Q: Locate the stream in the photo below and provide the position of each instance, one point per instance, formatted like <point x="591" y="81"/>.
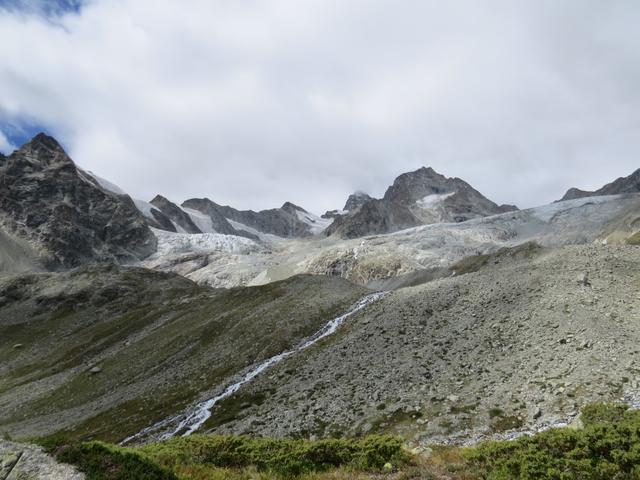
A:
<point x="190" y="421"/>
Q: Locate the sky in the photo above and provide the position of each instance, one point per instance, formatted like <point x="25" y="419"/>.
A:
<point x="256" y="102"/>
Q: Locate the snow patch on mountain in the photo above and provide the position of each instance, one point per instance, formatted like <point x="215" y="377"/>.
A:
<point x="107" y="185"/>
<point x="317" y="224"/>
<point x="431" y="201"/>
<point x="170" y="243"/>
<point x="202" y="221"/>
<point x="144" y="207"/>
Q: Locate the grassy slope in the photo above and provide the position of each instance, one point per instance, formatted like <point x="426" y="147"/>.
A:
<point x="159" y="340"/>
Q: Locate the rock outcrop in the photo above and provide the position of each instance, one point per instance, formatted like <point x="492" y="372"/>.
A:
<point x="20" y="461"/>
<point x="63" y="212"/>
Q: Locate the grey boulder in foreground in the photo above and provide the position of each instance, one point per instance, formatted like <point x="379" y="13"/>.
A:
<point x="19" y="461"/>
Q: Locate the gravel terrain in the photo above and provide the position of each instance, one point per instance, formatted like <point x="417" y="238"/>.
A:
<point x="519" y="344"/>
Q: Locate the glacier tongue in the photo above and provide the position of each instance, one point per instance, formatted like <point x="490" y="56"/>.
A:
<point x="170" y="243"/>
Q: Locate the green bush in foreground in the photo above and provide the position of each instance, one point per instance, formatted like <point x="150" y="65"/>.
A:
<point x="287" y="458"/>
<point x="100" y="461"/>
<point x="608" y="448"/>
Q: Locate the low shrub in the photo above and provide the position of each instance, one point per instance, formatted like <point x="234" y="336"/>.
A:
<point x="100" y="461"/>
<point x="608" y="448"/>
<point x="208" y="455"/>
<point x="288" y="457"/>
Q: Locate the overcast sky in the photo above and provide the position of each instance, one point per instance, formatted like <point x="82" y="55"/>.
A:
<point x="255" y="102"/>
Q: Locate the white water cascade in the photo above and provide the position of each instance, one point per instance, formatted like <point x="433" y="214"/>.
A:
<point x="196" y="416"/>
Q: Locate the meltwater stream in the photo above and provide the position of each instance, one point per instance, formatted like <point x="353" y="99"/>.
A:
<point x="193" y="419"/>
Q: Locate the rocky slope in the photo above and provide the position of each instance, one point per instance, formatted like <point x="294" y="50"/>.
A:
<point x="415" y="198"/>
<point x="105" y="351"/>
<point x="630" y="184"/>
<point x="521" y="341"/>
<point x="61" y="214"/>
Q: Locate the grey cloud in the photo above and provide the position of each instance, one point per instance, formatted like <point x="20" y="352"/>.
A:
<point x="254" y="103"/>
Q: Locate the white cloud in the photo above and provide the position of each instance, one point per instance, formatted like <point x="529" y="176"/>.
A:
<point x="257" y="102"/>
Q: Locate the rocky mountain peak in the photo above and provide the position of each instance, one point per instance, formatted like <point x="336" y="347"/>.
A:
<point x="292" y="208"/>
<point x="45" y="150"/>
<point x="64" y="213"/>
<point x="356" y="200"/>
<point x="412" y="186"/>
<point x="420" y="197"/>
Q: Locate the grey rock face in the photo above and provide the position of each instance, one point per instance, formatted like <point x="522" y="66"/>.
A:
<point x="356" y="200"/>
<point x="331" y="214"/>
<point x="283" y="222"/>
<point x="161" y="221"/>
<point x="374" y="217"/>
<point x="64" y="213"/>
<point x="175" y="213"/>
<point x="292" y="208"/>
<point x="463" y="202"/>
<point x="415" y="198"/>
<point x="630" y="184"/>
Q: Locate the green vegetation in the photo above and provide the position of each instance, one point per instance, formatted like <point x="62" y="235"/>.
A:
<point x="150" y="334"/>
<point x="100" y="461"/>
<point x="634" y="239"/>
<point x="496" y="412"/>
<point x="607" y="448"/>
<point x="200" y="457"/>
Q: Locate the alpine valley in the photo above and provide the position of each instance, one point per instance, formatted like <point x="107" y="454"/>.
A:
<point x="432" y="314"/>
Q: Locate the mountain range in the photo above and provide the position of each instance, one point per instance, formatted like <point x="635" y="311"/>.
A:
<point x="432" y="312"/>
